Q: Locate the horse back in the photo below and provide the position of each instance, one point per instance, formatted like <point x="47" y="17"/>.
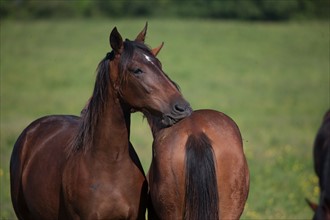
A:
<point x="37" y="161"/>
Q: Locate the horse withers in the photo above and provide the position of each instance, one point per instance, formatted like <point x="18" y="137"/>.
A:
<point x="321" y="155"/>
<point x="198" y="169"/>
<point x="68" y="167"/>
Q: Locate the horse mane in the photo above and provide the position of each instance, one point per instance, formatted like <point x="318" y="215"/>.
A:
<point x="83" y="140"/>
<point x="84" y="137"/>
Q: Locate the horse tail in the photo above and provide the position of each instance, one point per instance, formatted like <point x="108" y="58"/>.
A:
<point x="201" y="191"/>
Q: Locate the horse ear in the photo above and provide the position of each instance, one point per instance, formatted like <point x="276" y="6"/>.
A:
<point x="116" y="41"/>
<point x="142" y="35"/>
<point x="156" y="50"/>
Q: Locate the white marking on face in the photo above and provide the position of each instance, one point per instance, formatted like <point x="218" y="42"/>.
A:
<point x="149" y="59"/>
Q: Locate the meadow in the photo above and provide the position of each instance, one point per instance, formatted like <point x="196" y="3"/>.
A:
<point x="271" y="78"/>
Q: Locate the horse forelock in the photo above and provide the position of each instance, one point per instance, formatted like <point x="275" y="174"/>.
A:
<point x="129" y="48"/>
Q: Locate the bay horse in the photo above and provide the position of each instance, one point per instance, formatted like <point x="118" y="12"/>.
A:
<point x="198" y="169"/>
<point x="69" y="167"/>
<point x="321" y="155"/>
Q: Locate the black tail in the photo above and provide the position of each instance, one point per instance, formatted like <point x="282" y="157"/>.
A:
<point x="201" y="192"/>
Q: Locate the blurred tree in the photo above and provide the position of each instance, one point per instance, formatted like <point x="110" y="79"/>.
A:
<point x="228" y="9"/>
<point x="278" y="10"/>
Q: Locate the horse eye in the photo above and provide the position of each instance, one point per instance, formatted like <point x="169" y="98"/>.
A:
<point x="137" y="71"/>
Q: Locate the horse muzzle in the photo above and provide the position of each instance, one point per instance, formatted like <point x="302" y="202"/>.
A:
<point x="179" y="111"/>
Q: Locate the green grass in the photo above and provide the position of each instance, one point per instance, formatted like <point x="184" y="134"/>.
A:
<point x="271" y="78"/>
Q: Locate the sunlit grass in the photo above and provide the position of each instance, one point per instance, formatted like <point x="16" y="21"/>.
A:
<point x="271" y="78"/>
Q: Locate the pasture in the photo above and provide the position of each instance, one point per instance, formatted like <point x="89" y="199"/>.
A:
<point x="271" y="78"/>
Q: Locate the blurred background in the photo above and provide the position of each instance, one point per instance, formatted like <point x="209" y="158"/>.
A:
<point x="265" y="63"/>
<point x="271" y="10"/>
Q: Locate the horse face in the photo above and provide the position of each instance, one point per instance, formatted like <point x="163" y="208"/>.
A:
<point x="148" y="89"/>
<point x="143" y="85"/>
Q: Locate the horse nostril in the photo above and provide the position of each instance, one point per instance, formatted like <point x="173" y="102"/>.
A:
<point x="180" y="108"/>
<point x="179" y="111"/>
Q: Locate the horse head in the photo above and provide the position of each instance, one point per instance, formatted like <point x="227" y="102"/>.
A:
<point x="140" y="82"/>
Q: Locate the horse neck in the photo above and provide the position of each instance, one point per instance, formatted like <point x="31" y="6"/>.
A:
<point x="112" y="131"/>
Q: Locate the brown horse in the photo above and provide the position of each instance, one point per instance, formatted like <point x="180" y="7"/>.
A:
<point x="198" y="168"/>
<point x="322" y="169"/>
<point x="67" y="167"/>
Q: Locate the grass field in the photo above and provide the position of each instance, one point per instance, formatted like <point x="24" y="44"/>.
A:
<point x="271" y="78"/>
